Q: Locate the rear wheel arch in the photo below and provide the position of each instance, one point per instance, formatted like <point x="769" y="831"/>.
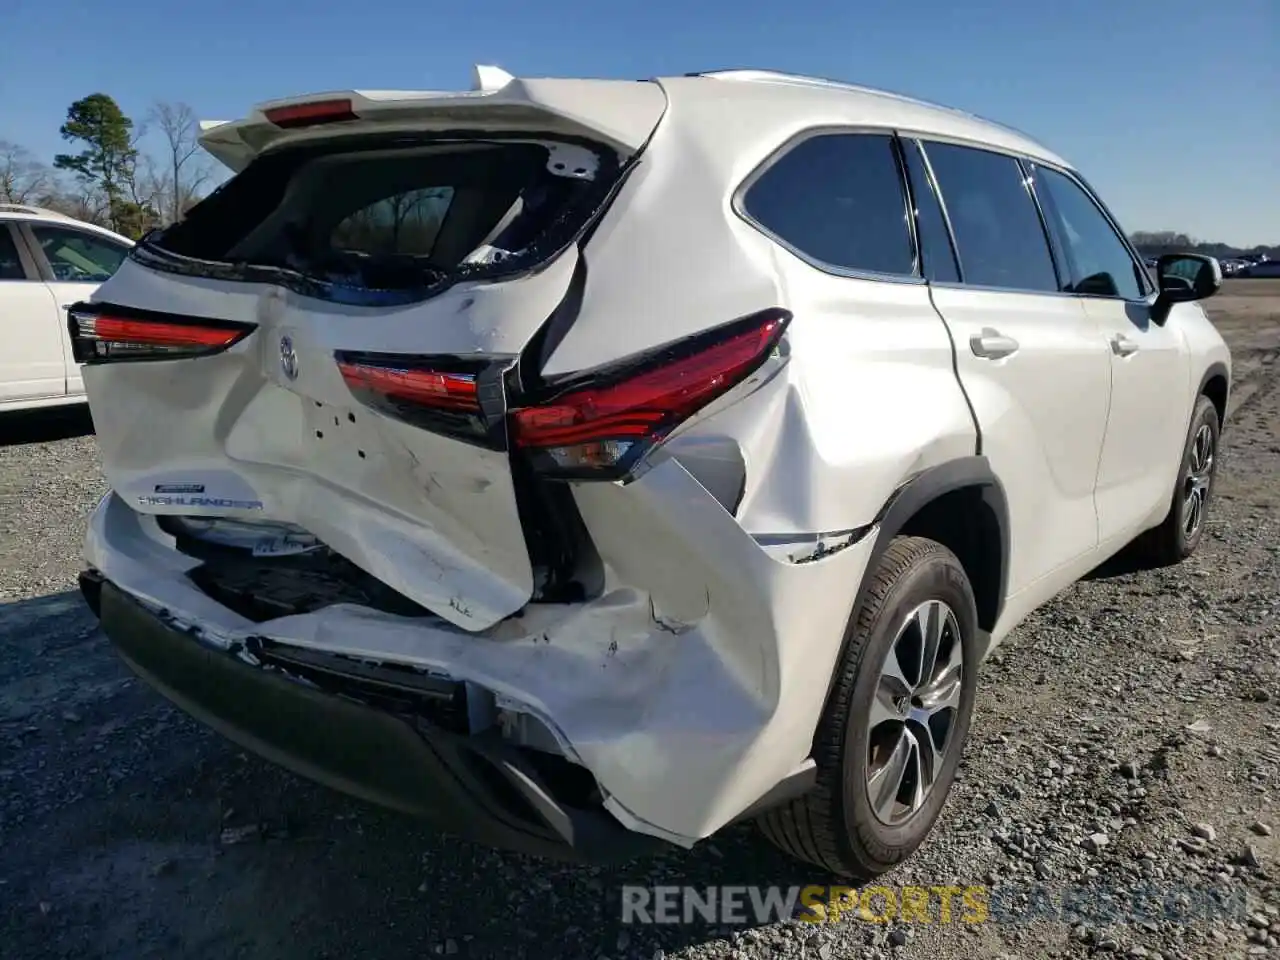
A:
<point x="960" y="504"/>
<point x="954" y="512"/>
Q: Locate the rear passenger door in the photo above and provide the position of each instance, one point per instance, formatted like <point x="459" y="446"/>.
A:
<point x="32" y="366"/>
<point x="1151" y="369"/>
<point x="1031" y="359"/>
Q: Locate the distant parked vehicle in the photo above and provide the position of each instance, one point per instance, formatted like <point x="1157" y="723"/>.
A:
<point x="47" y="262"/>
<point x="1264" y="268"/>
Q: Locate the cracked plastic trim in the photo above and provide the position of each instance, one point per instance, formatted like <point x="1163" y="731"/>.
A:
<point x="806" y="548"/>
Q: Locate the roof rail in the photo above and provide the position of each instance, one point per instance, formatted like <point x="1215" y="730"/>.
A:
<point x="797" y="79"/>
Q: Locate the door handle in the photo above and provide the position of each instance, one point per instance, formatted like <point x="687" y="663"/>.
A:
<point x="1122" y="346"/>
<point x="992" y="344"/>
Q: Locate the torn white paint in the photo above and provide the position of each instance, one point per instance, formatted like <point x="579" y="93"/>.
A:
<point x="715" y="711"/>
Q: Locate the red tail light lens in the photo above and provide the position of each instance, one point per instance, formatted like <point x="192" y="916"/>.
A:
<point x="442" y="394"/>
<point x="310" y="114"/>
<point x="600" y="428"/>
<point x="442" y="391"/>
<point x="101" y="333"/>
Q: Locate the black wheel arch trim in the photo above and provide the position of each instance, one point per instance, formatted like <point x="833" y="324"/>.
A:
<point x="1217" y="369"/>
<point x="927" y="486"/>
<point x="917" y="492"/>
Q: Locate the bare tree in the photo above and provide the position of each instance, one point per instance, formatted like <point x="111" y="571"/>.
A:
<point x="183" y="170"/>
<point x="23" y="179"/>
<point x="83" y="202"/>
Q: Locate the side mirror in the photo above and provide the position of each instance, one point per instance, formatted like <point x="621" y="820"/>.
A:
<point x="1183" y="277"/>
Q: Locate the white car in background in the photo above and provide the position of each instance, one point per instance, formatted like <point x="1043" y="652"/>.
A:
<point x="48" y="261"/>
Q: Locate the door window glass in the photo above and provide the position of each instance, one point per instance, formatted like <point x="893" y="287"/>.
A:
<point x="76" y="256"/>
<point x="1100" y="262"/>
<point x="1001" y="239"/>
<point x="10" y="262"/>
<point x="935" y="243"/>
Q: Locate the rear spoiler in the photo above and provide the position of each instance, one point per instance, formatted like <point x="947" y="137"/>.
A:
<point x="618" y="113"/>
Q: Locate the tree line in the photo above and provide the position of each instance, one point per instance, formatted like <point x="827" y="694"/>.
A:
<point x="1158" y="243"/>
<point x="107" y="176"/>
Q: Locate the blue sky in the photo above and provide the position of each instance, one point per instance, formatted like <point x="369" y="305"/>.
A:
<point x="1168" y="106"/>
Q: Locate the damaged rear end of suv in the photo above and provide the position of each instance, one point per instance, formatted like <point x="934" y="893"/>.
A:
<point x="461" y="459"/>
<point x="358" y="524"/>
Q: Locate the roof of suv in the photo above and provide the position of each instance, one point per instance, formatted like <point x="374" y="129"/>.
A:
<point x="786" y="98"/>
<point x="909" y="114"/>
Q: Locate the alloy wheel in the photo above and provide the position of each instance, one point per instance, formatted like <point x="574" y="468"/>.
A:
<point x="913" y="712"/>
<point x="1195" y="491"/>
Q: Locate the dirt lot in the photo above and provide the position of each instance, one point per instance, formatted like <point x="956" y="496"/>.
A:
<point x="1134" y="712"/>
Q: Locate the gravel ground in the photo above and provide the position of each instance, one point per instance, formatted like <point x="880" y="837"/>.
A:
<point x="1128" y="734"/>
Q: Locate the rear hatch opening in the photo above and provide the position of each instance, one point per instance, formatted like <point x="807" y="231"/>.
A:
<point x="382" y="219"/>
<point x="343" y="252"/>
<point x="390" y="219"/>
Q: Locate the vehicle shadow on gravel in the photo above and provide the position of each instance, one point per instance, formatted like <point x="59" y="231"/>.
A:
<point x="130" y="830"/>
<point x="44" y="426"/>
<point x="1128" y="561"/>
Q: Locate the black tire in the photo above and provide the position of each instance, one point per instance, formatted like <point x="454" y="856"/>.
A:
<point x="1172" y="541"/>
<point x="833" y="826"/>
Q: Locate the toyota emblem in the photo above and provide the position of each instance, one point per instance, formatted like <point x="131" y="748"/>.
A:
<point x="288" y="358"/>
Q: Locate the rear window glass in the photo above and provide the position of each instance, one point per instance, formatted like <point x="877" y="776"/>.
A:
<point x="388" y="216"/>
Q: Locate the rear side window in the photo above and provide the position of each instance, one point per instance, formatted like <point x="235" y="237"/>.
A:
<point x="1100" y="263"/>
<point x="10" y="262"/>
<point x="837" y="199"/>
<point x="1001" y="240"/>
<point x="76" y="256"/>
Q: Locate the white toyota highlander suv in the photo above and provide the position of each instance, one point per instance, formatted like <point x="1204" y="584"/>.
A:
<point x="588" y="465"/>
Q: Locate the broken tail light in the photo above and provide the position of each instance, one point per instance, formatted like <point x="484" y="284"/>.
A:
<point x="599" y="426"/>
<point x="102" y="333"/>
<point x="443" y="394"/>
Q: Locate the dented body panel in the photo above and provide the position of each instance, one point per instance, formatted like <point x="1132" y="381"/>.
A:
<point x="401" y="503"/>
<point x="695" y="666"/>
